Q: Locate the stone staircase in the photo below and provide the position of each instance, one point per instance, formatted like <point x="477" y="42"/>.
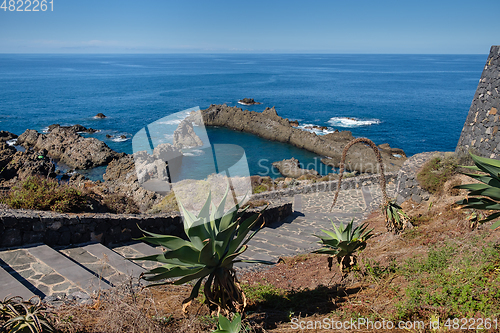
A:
<point x="87" y="268"/>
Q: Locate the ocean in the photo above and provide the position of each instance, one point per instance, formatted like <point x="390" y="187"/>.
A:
<point x="414" y="102"/>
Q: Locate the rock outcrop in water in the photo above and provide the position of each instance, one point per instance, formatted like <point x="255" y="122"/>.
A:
<point x="270" y="126"/>
<point x="291" y="168"/>
<point x="248" y="101"/>
<point x="66" y="145"/>
<point x="185" y="137"/>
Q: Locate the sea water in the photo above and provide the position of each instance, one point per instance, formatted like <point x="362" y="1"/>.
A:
<point x="414" y="102"/>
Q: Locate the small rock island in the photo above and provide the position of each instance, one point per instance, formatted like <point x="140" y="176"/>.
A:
<point x="248" y="101"/>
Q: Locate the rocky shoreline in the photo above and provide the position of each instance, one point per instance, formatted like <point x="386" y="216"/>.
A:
<point x="64" y="144"/>
<point x="269" y="125"/>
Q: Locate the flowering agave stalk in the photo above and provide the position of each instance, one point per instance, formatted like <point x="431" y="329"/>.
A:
<point x="343" y="244"/>
<point x="396" y="219"/>
<point x="487" y="193"/>
<point x="210" y="251"/>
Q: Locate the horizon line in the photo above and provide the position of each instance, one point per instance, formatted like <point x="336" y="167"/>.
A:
<point x="230" y="53"/>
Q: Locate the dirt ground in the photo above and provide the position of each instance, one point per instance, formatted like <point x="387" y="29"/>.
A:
<point x="299" y="290"/>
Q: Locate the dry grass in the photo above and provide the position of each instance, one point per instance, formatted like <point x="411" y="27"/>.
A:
<point x="392" y="272"/>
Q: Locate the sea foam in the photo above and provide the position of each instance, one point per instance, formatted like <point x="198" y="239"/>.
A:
<point x="350" y="122"/>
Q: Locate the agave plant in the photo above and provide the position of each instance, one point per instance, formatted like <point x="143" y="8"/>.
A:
<point x="343" y="244"/>
<point x="226" y="326"/>
<point x="210" y="251"/>
<point x="23" y="316"/>
<point x="487" y="193"/>
<point x="396" y="219"/>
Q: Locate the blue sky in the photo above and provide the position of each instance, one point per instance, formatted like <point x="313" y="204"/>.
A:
<point x="164" y="26"/>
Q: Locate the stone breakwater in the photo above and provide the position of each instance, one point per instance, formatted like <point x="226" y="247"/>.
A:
<point x="22" y="227"/>
<point x="270" y="126"/>
<point x="480" y="132"/>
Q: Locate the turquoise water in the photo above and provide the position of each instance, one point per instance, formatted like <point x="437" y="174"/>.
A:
<point x="414" y="102"/>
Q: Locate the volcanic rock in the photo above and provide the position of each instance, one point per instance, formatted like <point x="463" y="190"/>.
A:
<point x="248" y="101"/>
<point x="25" y="164"/>
<point x="100" y="116"/>
<point x="291" y="168"/>
<point x="185" y="137"/>
<point x="392" y="158"/>
<point x="6" y="136"/>
<point x="66" y="145"/>
<point x="270" y="126"/>
<point x="122" y="177"/>
<point x="75" y="128"/>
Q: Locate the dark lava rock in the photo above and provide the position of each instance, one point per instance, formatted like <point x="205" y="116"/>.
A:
<point x="100" y="116"/>
<point x="6" y="136"/>
<point x="75" y="128"/>
<point x="270" y="126"/>
<point x="6" y="154"/>
<point x="108" y="136"/>
<point x="248" y="101"/>
<point x="26" y="164"/>
<point x="66" y="145"/>
<point x="121" y="177"/>
<point x="123" y="136"/>
<point x="292" y="168"/>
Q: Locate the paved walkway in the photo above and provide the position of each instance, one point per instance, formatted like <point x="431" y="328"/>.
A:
<point x="81" y="270"/>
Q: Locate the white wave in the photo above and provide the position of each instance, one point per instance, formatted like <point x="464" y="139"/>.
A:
<point x="314" y="129"/>
<point x="119" y="139"/>
<point x="12" y="142"/>
<point x="45" y="129"/>
<point x="193" y="152"/>
<point x="352" y="122"/>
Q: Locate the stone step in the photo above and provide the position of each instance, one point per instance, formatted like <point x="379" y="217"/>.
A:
<point x="12" y="287"/>
<point x="34" y="274"/>
<point x="104" y="263"/>
<point x="115" y="260"/>
<point x="68" y="268"/>
<point x="138" y="249"/>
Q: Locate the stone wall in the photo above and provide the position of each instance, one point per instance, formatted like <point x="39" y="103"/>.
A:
<point x="480" y="132"/>
<point x="21" y="227"/>
<point x="407" y="185"/>
<point x="347" y="183"/>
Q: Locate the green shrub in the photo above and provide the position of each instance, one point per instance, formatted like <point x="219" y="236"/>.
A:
<point x="260" y="188"/>
<point x="167" y="204"/>
<point x="436" y="172"/>
<point x="120" y="204"/>
<point x="44" y="194"/>
<point x="452" y="285"/>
